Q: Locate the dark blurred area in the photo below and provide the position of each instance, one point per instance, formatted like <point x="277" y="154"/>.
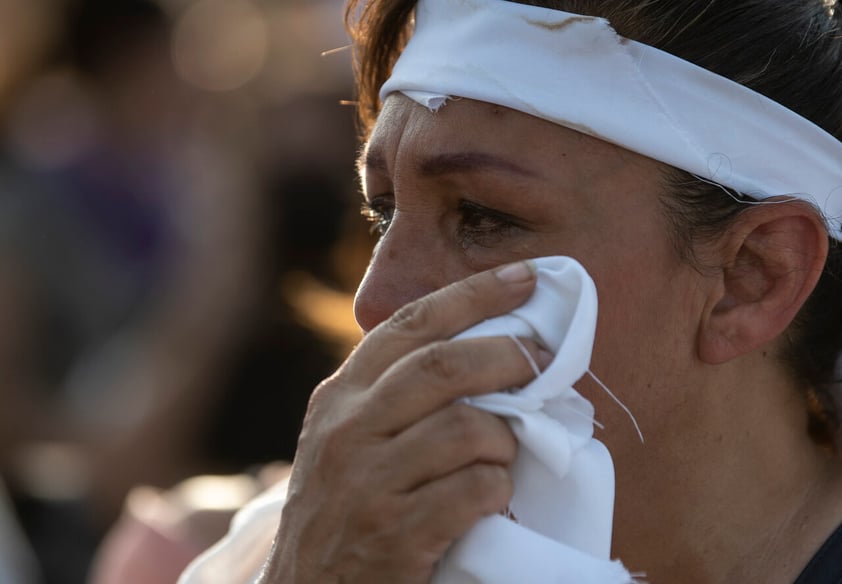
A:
<point x="179" y="243"/>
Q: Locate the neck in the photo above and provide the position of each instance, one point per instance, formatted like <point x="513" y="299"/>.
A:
<point x="750" y="501"/>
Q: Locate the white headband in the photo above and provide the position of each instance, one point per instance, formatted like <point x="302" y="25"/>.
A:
<point x="577" y="72"/>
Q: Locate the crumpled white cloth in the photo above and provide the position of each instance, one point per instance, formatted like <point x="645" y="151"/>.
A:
<point x="575" y="71"/>
<point x="564" y="478"/>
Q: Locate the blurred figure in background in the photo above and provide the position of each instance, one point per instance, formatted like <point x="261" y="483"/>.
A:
<point x="174" y="196"/>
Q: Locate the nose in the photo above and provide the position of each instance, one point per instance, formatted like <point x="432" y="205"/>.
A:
<point x="406" y="265"/>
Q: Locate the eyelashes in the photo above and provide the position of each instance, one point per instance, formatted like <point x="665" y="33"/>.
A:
<point x="477" y="224"/>
<point x="378" y="212"/>
<point x="483" y="226"/>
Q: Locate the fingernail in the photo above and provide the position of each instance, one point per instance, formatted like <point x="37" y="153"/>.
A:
<point x="517" y="272"/>
<point x="544" y="358"/>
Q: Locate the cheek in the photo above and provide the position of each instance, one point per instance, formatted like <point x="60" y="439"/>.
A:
<point x="645" y="316"/>
<point x="645" y="345"/>
<point x="643" y="289"/>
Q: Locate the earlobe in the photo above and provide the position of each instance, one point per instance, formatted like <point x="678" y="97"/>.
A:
<point x="773" y="257"/>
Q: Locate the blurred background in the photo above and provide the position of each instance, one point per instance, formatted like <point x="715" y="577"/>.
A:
<point x="179" y="242"/>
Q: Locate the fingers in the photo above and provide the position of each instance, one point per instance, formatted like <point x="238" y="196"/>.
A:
<point x="448" y="508"/>
<point x="441" y="315"/>
<point x="432" y="377"/>
<point x="447" y="441"/>
<point x="388" y="465"/>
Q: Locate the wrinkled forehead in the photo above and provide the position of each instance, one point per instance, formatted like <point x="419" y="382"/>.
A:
<point x="469" y="142"/>
<point x="409" y="131"/>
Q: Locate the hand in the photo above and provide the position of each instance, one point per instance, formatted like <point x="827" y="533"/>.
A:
<point x="390" y="468"/>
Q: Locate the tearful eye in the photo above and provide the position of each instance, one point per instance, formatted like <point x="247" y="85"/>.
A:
<point x="482" y="226"/>
<point x="379" y="212"/>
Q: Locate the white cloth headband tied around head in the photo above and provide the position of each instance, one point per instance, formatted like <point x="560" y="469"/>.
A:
<point x="577" y="72"/>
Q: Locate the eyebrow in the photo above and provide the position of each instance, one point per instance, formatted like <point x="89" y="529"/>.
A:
<point x="450" y="163"/>
<point x="372" y="159"/>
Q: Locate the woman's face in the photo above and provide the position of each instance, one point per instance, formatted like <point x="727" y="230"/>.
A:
<point x="475" y="185"/>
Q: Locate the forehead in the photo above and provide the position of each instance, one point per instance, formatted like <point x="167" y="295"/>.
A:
<point x="407" y="132"/>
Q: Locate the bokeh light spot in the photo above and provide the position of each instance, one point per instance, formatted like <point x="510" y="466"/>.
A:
<point x="220" y="45"/>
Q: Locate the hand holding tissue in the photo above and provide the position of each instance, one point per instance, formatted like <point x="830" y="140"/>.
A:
<point x="562" y="509"/>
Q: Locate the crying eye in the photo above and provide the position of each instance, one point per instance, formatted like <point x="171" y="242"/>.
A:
<point x="479" y="225"/>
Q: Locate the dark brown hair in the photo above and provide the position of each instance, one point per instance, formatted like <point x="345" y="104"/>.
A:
<point x="788" y="50"/>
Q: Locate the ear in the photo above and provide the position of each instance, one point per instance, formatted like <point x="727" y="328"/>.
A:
<point x="773" y="256"/>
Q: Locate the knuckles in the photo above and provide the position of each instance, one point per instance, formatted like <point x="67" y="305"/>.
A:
<point x="491" y="486"/>
<point x="473" y="290"/>
<point x="412" y="318"/>
<point x="471" y="431"/>
<point x="440" y="361"/>
<point x="324" y="397"/>
<point x="342" y="457"/>
<point x="331" y="432"/>
<point x="419" y="317"/>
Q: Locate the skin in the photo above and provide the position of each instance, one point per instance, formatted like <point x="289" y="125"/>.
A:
<point x="727" y="488"/>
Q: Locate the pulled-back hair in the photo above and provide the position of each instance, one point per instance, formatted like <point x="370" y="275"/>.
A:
<point x="788" y="50"/>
